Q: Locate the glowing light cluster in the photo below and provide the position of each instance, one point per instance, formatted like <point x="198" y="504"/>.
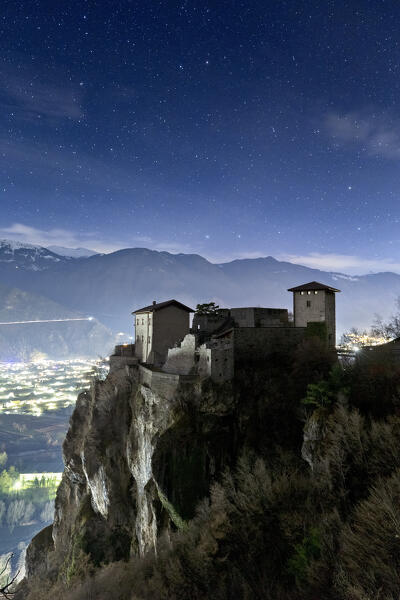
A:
<point x="354" y="341"/>
<point x="45" y="385"/>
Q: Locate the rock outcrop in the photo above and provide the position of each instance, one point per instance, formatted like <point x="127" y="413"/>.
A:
<point x="136" y="465"/>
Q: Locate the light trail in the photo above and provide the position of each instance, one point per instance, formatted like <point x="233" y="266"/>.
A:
<point x="46" y="321"/>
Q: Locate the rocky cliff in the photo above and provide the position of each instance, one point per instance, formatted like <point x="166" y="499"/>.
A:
<point x="307" y="506"/>
<point x="136" y="464"/>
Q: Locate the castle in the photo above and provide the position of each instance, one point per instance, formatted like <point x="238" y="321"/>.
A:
<point x="167" y="349"/>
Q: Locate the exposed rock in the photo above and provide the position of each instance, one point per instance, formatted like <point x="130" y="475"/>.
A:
<point x="136" y="463"/>
<point x="312" y="436"/>
<point x="37" y="554"/>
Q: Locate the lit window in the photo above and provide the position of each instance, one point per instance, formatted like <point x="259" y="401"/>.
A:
<point x="309" y="293"/>
<point x="302" y="293"/>
<point x="315" y="292"/>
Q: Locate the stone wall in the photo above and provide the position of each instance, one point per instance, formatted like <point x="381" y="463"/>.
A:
<point x="256" y="343"/>
<point x="170" y="326"/>
<point x="216" y="359"/>
<point x="181" y="360"/>
<point x="205" y="325"/>
<point x="164" y="385"/>
<point x="259" y="317"/>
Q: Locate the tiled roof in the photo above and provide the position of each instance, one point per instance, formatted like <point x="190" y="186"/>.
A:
<point x="313" y="285"/>
<point x="160" y="305"/>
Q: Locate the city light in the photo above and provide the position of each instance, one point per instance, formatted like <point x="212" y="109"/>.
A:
<point x="353" y="341"/>
<point x="46" y="385"/>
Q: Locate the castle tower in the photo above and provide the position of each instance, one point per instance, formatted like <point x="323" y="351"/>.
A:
<point x="315" y="302"/>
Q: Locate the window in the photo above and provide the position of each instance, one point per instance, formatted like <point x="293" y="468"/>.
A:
<point x="308" y="303"/>
<point x="302" y="293"/>
<point x="315" y="292"/>
<point x="309" y="293"/>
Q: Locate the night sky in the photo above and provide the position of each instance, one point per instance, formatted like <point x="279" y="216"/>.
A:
<point x="229" y="129"/>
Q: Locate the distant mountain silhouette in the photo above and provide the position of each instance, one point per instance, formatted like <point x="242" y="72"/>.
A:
<point x="57" y="339"/>
<point x="72" y="252"/>
<point x="110" y="286"/>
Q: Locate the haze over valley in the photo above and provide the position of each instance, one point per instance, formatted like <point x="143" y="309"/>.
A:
<point x="38" y="284"/>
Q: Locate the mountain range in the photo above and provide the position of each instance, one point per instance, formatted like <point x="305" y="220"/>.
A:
<point x="110" y="286"/>
<point x="72" y="252"/>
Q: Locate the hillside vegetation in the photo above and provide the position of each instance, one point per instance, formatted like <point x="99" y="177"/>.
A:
<point x="309" y="510"/>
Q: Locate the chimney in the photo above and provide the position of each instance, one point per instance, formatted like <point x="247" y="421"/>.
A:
<point x="154" y="302"/>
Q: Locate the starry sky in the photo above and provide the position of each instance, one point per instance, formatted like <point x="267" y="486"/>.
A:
<point x="231" y="129"/>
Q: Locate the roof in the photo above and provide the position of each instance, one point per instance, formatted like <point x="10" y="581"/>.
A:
<point x="313" y="285"/>
<point x="160" y="305"/>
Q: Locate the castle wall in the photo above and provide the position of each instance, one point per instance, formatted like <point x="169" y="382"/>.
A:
<point x="216" y="359"/>
<point x="256" y="343"/>
<point x="316" y="306"/>
<point x="259" y="317"/>
<point x="143" y="335"/>
<point x="308" y="306"/>
<point x="171" y="324"/>
<point x="207" y="324"/>
<point x="163" y="384"/>
<point x="330" y="318"/>
<point x="181" y="359"/>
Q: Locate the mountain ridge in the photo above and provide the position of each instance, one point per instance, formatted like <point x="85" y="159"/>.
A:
<point x="110" y="286"/>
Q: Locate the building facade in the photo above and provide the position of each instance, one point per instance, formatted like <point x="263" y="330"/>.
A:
<point x="166" y="346"/>
<point x="159" y="327"/>
<point x="315" y="303"/>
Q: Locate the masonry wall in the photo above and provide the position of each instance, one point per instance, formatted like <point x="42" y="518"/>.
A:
<point x="215" y="358"/>
<point x="309" y="306"/>
<point x="257" y="343"/>
<point x="163" y="384"/>
<point x="330" y="311"/>
<point x="316" y="306"/>
<point x="222" y="361"/>
<point x="171" y="324"/>
<point x="143" y="335"/>
<point x="181" y="359"/>
<point x="259" y="317"/>
<point x="207" y="324"/>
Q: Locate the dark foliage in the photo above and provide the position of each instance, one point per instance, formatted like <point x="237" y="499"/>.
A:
<point x="273" y="528"/>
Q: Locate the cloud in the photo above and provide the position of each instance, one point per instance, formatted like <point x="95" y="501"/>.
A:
<point x="31" y="95"/>
<point x="339" y="263"/>
<point x="64" y="237"/>
<point x="378" y="135"/>
<point x="59" y="237"/>
<point x="345" y="263"/>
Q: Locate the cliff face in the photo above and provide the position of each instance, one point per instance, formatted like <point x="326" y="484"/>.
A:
<point x="136" y="464"/>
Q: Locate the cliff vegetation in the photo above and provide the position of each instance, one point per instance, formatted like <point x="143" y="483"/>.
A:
<point x="283" y="485"/>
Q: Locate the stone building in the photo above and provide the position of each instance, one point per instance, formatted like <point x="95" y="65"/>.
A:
<point x="158" y="327"/>
<point x="315" y="303"/>
<point x="166" y="350"/>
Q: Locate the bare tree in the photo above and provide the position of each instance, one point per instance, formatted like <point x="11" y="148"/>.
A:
<point x="388" y="329"/>
<point x="6" y="589"/>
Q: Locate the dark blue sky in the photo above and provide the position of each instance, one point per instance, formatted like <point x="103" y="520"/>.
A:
<point x="224" y="128"/>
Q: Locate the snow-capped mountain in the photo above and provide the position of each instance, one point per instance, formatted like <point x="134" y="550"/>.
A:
<point x="72" y="252"/>
<point x="110" y="286"/>
<point x="27" y="257"/>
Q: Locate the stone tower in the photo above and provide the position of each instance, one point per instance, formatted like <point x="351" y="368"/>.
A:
<point x="315" y="302"/>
